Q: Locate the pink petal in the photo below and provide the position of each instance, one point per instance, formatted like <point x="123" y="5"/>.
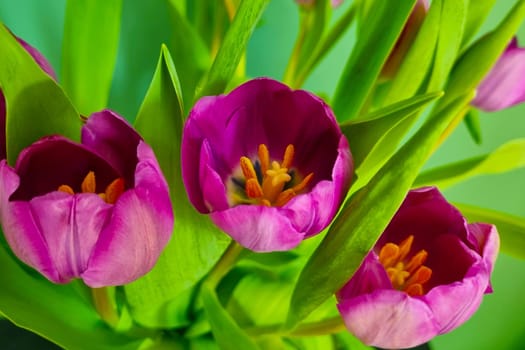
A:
<point x="389" y="319"/>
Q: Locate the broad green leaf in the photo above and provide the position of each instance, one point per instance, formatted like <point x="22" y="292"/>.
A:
<point x="364" y="217"/>
<point x="473" y="125"/>
<point x="449" y="41"/>
<point x="159" y="299"/>
<point x="478" y="59"/>
<point x="507" y="157"/>
<point x="418" y="61"/>
<point x="189" y="52"/>
<point x="89" y="51"/>
<point x="374" y="138"/>
<point x="476" y="14"/>
<point x="511" y="228"/>
<point x="227" y="333"/>
<point x="36" y="105"/>
<point x="56" y="312"/>
<point x="384" y="24"/>
<point x="233" y="46"/>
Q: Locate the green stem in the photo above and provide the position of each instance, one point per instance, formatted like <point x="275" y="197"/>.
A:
<point x="291" y="68"/>
<point x="326" y="44"/>
<point x="328" y="326"/>
<point x="102" y="300"/>
<point x="224" y="265"/>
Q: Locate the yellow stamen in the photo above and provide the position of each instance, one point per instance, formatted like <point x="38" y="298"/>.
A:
<point x="66" y="188"/>
<point x="247" y="168"/>
<point x="269" y="186"/>
<point x="89" y="184"/>
<point x="288" y="156"/>
<point x="114" y="190"/>
<point x="264" y="157"/>
<point x="253" y="189"/>
<point x="408" y="276"/>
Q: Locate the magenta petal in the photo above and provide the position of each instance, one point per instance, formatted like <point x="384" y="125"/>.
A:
<point x="211" y="182"/>
<point x="112" y="138"/>
<point x="70" y="225"/>
<point x="139" y="228"/>
<point x="504" y="85"/>
<point x="2" y="126"/>
<point x="259" y="228"/>
<point x="389" y="319"/>
<point x="24" y="235"/>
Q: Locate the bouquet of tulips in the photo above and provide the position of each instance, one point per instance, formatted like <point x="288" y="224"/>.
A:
<point x="238" y="209"/>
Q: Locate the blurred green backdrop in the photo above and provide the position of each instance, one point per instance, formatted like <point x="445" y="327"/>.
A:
<point x="145" y="25"/>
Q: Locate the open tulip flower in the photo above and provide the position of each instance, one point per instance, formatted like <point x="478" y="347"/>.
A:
<point x="269" y="164"/>
<point x="99" y="210"/>
<point x="426" y="275"/>
<point x="504" y="85"/>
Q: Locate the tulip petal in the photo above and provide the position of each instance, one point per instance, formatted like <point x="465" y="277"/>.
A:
<point x="389" y="319"/>
<point x="138" y="230"/>
<point x="24" y="235"/>
<point x="259" y="228"/>
<point x="504" y="85"/>
<point x="70" y="224"/>
<point x="112" y="138"/>
<point x="3" y="140"/>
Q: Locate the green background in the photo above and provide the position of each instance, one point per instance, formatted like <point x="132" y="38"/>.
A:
<point x="145" y="25"/>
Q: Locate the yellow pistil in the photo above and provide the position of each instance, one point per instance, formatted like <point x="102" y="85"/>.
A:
<point x="272" y="186"/>
<point x="408" y="275"/>
<point x="89" y="185"/>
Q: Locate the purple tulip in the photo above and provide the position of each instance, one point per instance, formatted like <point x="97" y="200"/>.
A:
<point x="504" y="85"/>
<point x="46" y="67"/>
<point x="99" y="210"/>
<point x="425" y="276"/>
<point x="268" y="163"/>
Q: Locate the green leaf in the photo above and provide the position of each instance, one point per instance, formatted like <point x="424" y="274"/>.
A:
<point x="415" y="67"/>
<point x="36" y="105"/>
<point x="348" y="341"/>
<point x="507" y="157"/>
<point x="189" y="52"/>
<point x="374" y="138"/>
<point x="56" y="312"/>
<point x="479" y="58"/>
<point x="384" y="24"/>
<point x="453" y="15"/>
<point x="160" y="298"/>
<point x="364" y="217"/>
<point x="227" y="333"/>
<point x="473" y="125"/>
<point x="233" y="46"/>
<point x="511" y="228"/>
<point x="476" y="14"/>
<point x="89" y="51"/>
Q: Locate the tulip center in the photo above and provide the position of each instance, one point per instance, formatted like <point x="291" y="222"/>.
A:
<point x="89" y="185"/>
<point x="408" y="275"/>
<point x="267" y="182"/>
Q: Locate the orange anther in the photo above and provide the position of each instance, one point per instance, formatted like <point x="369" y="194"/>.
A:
<point x="288" y="157"/>
<point x="405" y="246"/>
<point x="253" y="189"/>
<point x="284" y="197"/>
<point x="414" y="290"/>
<point x="89" y="184"/>
<point x="388" y="254"/>
<point x="247" y="168"/>
<point x="66" y="188"/>
<point x="302" y="185"/>
<point x="264" y="157"/>
<point x="416" y="261"/>
<point x="114" y="190"/>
